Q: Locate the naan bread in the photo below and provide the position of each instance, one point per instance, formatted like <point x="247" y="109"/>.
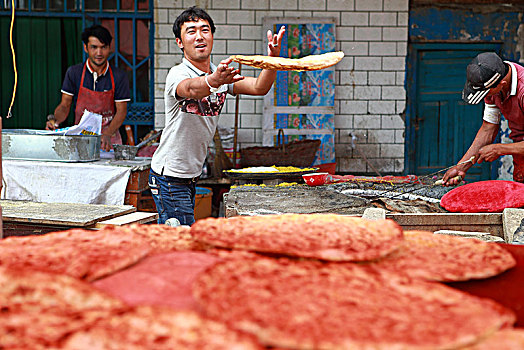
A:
<point x="38" y="309"/>
<point x="312" y="62"/>
<point x="444" y="258"/>
<point x="79" y="253"/>
<point x="163" y="238"/>
<point x="314" y="305"/>
<point x="159" y="328"/>
<point x="321" y="236"/>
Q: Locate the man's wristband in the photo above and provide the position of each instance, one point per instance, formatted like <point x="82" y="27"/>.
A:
<point x="211" y="89"/>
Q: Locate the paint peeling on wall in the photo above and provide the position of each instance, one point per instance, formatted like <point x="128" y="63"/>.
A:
<point x="519" y="49"/>
<point x="440" y="24"/>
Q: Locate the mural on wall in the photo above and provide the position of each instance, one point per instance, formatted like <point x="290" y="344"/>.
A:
<point x="305" y="89"/>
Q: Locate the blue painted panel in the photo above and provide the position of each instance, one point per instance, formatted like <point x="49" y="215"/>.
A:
<point x="468" y="26"/>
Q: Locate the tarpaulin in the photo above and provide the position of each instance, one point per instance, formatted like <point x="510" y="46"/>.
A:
<point x="58" y="182"/>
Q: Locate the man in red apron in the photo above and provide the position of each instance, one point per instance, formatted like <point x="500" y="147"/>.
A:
<point x="95" y="86"/>
<point x="501" y="85"/>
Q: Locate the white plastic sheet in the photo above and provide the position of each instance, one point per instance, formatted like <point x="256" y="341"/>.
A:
<point x="57" y="182"/>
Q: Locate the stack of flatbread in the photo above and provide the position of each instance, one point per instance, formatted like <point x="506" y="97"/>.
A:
<point x="294" y="281"/>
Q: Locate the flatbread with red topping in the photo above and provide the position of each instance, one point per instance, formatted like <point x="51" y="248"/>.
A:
<point x="505" y="339"/>
<point x="155" y="328"/>
<point x="307" y="63"/>
<point x="163" y="238"/>
<point x="38" y="309"/>
<point x="79" y="253"/>
<point x="446" y="258"/>
<point x="311" y="305"/>
<point x="322" y="236"/>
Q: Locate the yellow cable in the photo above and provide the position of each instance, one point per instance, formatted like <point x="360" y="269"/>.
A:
<point x="9" y="115"/>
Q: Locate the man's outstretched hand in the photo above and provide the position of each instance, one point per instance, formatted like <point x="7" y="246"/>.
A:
<point x="273" y="42"/>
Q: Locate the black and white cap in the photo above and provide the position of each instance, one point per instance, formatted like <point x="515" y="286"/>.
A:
<point x="483" y="73"/>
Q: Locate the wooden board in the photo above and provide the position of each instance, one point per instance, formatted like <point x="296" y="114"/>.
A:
<point x="138" y="217"/>
<point x="479" y="222"/>
<point x="63" y="214"/>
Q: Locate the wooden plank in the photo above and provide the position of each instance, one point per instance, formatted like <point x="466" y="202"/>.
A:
<point x="65" y="214"/>
<point x="138" y="217"/>
<point x="479" y="222"/>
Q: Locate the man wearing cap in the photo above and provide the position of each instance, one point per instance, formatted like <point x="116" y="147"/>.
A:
<point x="501" y="85"/>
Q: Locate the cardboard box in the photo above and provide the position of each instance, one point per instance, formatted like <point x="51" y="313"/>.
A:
<point x="203" y="201"/>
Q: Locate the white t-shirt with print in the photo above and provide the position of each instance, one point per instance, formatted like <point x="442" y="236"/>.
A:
<point x="189" y="127"/>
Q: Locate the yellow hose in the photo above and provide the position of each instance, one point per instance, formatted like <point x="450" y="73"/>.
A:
<point x="9" y="115"/>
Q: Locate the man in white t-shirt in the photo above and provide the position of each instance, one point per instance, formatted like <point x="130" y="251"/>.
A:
<point x="195" y="93"/>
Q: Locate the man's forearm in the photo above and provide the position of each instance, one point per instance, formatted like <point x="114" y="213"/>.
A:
<point x="61" y="113"/>
<point x="515" y="148"/>
<point x="115" y="124"/>
<point x="265" y="80"/>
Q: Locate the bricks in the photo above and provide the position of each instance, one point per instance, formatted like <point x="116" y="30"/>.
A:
<point x="370" y="97"/>
<point x="340" y="5"/>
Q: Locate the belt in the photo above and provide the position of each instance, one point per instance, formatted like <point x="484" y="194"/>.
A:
<point x="182" y="180"/>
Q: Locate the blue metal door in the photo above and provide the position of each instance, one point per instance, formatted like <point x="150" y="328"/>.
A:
<point x="440" y="125"/>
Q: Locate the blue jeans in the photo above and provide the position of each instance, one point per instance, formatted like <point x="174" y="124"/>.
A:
<point x="174" y="198"/>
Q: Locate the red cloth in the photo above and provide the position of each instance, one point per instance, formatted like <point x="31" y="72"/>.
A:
<point x="518" y="168"/>
<point x="161" y="280"/>
<point x="484" y="196"/>
<point x="99" y="102"/>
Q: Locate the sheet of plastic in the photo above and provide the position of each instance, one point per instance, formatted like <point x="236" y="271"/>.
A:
<point x="56" y="182"/>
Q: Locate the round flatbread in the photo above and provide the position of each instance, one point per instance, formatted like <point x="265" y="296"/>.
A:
<point x="79" y="253"/>
<point x="322" y="236"/>
<point x="505" y="339"/>
<point x="444" y="258"/>
<point x="311" y="62"/>
<point x="39" y="309"/>
<point x="155" y="328"/>
<point x="163" y="238"/>
<point x="310" y="305"/>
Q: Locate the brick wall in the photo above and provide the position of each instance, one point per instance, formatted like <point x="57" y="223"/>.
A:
<point x="369" y="94"/>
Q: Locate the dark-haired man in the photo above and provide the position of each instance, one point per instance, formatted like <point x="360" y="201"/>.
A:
<point x="501" y="85"/>
<point x="194" y="95"/>
<point x="96" y="86"/>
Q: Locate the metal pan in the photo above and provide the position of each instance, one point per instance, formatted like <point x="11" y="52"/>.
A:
<point x="28" y="144"/>
<point x="128" y="152"/>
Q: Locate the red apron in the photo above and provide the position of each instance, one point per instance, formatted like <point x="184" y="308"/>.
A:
<point x="518" y="168"/>
<point x="100" y="102"/>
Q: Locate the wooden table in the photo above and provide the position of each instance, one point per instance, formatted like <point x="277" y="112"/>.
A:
<point x="22" y="218"/>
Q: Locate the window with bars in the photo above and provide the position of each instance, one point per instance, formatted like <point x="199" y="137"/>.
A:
<point x="131" y="25"/>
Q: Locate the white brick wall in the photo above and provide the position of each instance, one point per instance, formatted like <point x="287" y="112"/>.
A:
<point x="369" y="91"/>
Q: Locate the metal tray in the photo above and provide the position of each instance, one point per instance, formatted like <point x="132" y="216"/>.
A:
<point x="268" y="176"/>
<point x="28" y="144"/>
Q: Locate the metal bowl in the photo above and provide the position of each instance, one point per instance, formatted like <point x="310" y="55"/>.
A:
<point x="125" y="152"/>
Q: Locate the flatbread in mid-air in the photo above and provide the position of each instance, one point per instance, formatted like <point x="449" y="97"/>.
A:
<point x="311" y="62"/>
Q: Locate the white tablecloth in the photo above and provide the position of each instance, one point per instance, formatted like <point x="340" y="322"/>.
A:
<point x="57" y="182"/>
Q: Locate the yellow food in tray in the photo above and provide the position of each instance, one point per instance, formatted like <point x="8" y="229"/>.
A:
<point x="271" y="169"/>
